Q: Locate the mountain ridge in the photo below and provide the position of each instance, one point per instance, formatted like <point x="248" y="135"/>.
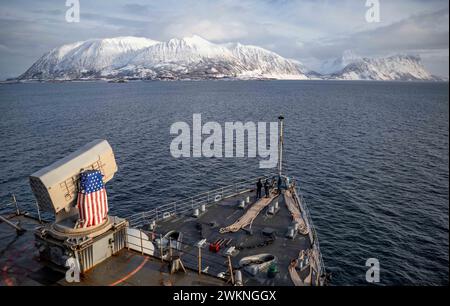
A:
<point x="395" y="67"/>
<point x="194" y="57"/>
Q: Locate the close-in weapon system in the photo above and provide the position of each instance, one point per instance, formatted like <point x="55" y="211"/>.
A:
<point x="56" y="189"/>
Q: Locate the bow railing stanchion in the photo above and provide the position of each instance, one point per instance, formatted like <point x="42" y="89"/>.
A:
<point x="15" y="204"/>
<point x="140" y="238"/>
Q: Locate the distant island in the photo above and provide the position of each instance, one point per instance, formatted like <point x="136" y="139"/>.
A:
<point x="194" y="58"/>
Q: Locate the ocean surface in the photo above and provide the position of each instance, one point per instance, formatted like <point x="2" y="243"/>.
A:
<point x="371" y="157"/>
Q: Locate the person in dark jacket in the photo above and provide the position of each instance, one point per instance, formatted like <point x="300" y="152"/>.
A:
<point x="279" y="185"/>
<point x="266" y="188"/>
<point x="259" y="186"/>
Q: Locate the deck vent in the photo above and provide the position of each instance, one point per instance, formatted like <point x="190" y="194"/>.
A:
<point x="196" y="212"/>
<point x="152" y="225"/>
<point x="238" y="278"/>
<point x="247" y="200"/>
<point x="203" y="208"/>
<point x="291" y="232"/>
<point x="242" y="204"/>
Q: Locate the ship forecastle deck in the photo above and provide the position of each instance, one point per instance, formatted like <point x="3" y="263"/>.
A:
<point x="258" y="232"/>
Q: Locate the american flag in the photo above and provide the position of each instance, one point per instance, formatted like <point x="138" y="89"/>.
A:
<point x="92" y="202"/>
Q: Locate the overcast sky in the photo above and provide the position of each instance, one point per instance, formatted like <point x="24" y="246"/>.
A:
<point x="305" y="30"/>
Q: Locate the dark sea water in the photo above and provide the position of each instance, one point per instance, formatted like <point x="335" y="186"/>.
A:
<point x="372" y="157"/>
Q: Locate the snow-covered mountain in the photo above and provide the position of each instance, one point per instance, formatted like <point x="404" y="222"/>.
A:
<point x="186" y="58"/>
<point x="87" y="58"/>
<point x="393" y="68"/>
<point x="196" y="58"/>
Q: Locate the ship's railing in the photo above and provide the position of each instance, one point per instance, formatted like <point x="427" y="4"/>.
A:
<point x="188" y="205"/>
<point x="315" y="239"/>
<point x="12" y="207"/>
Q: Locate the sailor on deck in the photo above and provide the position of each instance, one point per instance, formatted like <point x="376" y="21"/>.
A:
<point x="267" y="188"/>
<point x="258" y="189"/>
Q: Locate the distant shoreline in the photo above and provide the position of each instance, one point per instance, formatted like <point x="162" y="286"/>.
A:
<point x="209" y="79"/>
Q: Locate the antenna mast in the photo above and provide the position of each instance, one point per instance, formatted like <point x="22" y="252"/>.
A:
<point x="280" y="145"/>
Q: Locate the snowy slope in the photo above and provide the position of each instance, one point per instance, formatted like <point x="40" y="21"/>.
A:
<point x="259" y="61"/>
